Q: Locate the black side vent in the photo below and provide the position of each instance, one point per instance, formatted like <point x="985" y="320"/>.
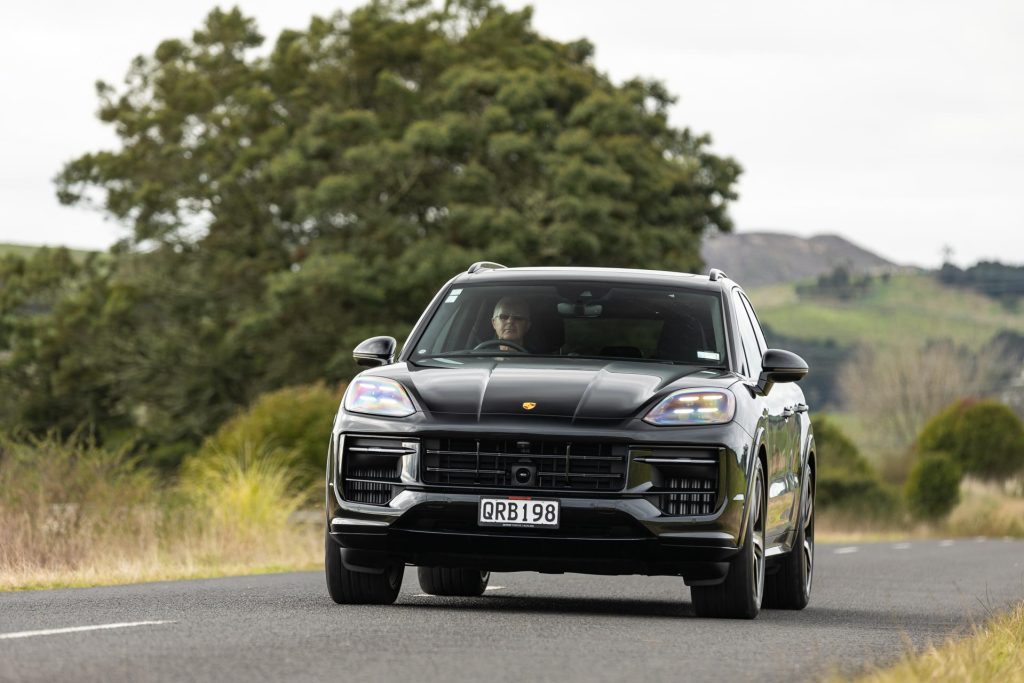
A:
<point x="691" y="496"/>
<point x="686" y="480"/>
<point x="372" y="468"/>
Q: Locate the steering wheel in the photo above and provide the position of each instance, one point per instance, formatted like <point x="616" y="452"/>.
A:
<point x="500" y="342"/>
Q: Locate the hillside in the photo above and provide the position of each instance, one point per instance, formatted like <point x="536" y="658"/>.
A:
<point x="908" y="308"/>
<point x="904" y="309"/>
<point x="756" y="259"/>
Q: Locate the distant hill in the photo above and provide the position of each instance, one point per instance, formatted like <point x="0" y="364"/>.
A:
<point x="906" y="309"/>
<point x="26" y="250"/>
<point x="756" y="259"/>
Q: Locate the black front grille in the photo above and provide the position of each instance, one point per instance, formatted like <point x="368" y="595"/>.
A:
<point x="372" y="468"/>
<point x="552" y="465"/>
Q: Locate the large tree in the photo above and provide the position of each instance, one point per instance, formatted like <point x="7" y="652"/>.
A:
<point x="398" y="126"/>
<point x="284" y="203"/>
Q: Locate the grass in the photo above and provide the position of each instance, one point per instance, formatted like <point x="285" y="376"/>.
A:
<point x="985" y="509"/>
<point x="114" y="575"/>
<point x="907" y="307"/>
<point x="74" y="514"/>
<point x="994" y="652"/>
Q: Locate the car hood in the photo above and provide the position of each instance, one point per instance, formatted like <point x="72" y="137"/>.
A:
<point x="575" y="388"/>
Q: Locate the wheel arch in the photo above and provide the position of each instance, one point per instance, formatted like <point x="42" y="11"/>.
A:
<point x="760" y="455"/>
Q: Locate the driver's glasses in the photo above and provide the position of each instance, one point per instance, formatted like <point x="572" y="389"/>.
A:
<point x="506" y="317"/>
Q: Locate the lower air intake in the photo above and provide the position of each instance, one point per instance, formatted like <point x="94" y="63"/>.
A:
<point x="689" y="496"/>
<point x="371" y="468"/>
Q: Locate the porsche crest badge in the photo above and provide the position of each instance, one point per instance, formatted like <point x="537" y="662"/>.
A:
<point x="529" y="405"/>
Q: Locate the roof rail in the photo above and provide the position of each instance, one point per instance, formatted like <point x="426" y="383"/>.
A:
<point x="484" y="265"/>
<point x="715" y="275"/>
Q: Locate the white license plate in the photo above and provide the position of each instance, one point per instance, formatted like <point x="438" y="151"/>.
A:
<point x="520" y="511"/>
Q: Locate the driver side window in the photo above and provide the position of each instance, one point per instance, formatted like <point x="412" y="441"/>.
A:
<point x="748" y="338"/>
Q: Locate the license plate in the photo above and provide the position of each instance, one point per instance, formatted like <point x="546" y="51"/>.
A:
<point x="522" y="512"/>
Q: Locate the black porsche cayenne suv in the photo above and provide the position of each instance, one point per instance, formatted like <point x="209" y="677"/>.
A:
<point x="592" y="420"/>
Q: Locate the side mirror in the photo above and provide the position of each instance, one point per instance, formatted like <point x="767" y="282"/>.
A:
<point x="779" y="366"/>
<point x="375" y="351"/>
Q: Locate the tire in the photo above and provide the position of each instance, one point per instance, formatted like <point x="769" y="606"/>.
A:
<point x="460" y="582"/>
<point x="739" y="595"/>
<point x="347" y="587"/>
<point x="790" y="587"/>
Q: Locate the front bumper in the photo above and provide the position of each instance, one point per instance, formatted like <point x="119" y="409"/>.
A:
<point x="620" y="532"/>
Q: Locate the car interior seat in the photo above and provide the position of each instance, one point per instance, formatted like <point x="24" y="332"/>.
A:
<point x="681" y="339"/>
<point x="547" y="328"/>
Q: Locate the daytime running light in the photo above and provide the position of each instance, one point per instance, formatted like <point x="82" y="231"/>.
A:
<point x="693" y="407"/>
<point x="378" y="396"/>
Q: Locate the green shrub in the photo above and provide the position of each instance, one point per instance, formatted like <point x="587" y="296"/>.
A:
<point x="984" y="437"/>
<point x="243" y="496"/>
<point x="846" y="482"/>
<point x="933" y="488"/>
<point x="293" y="424"/>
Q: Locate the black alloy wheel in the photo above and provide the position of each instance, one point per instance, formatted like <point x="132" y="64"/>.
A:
<point x="347" y="587"/>
<point x="790" y="586"/>
<point x="739" y="595"/>
<point x="453" y="582"/>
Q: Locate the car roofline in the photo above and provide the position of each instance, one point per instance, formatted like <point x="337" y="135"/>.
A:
<point x="488" y="272"/>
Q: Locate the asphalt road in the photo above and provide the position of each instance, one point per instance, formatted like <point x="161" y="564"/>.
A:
<point x="869" y="602"/>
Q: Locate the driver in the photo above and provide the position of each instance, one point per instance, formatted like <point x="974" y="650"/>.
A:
<point x="511" y="321"/>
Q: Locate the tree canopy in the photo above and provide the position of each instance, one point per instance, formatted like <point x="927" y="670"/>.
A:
<point x="283" y="203"/>
<point x="402" y="126"/>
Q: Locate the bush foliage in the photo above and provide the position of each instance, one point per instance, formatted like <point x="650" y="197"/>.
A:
<point x="292" y="425"/>
<point x="985" y="438"/>
<point x="933" y="487"/>
<point x="846" y="481"/>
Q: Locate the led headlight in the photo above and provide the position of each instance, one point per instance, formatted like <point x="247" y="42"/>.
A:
<point x="378" y="396"/>
<point x="693" y="407"/>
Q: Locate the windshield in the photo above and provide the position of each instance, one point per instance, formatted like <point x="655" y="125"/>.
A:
<point x="664" y="324"/>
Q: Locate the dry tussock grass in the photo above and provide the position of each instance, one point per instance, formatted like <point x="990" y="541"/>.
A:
<point x="75" y="514"/>
<point x="994" y="652"/>
<point x="985" y="509"/>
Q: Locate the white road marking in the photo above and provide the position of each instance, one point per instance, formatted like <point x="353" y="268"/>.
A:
<point x="945" y="544"/>
<point x="495" y="588"/>
<point x="78" y="629"/>
<point x="900" y="546"/>
<point x="846" y="551"/>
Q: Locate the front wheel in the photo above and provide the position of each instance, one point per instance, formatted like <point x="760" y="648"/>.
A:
<point x="790" y="587"/>
<point x="739" y="595"/>
<point x="347" y="587"/>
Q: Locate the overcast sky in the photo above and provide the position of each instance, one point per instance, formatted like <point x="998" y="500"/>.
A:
<point x="898" y="125"/>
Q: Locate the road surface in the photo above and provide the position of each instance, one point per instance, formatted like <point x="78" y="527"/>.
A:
<point x="869" y="602"/>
